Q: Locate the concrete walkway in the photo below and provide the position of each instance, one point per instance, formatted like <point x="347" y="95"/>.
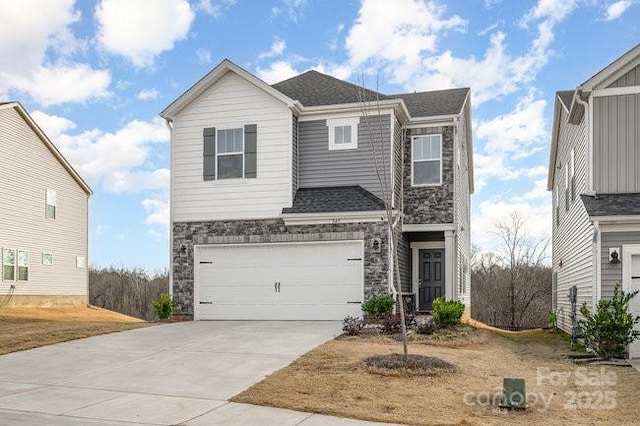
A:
<point x="180" y="373"/>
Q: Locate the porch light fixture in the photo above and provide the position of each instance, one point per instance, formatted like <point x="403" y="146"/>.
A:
<point x="614" y="255"/>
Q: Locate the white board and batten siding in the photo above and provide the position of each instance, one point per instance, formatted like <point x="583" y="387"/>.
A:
<point x="573" y="239"/>
<point x="27" y="169"/>
<point x="279" y="281"/>
<point x="231" y="103"/>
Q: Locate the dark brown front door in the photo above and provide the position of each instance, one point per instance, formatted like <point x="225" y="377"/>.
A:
<point x="431" y="278"/>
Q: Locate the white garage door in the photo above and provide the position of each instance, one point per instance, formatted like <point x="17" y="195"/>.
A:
<point x="286" y="281"/>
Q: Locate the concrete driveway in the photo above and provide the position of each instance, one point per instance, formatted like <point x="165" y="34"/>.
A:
<point x="181" y="373"/>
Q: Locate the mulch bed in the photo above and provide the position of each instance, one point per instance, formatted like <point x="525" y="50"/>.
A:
<point x="421" y="365"/>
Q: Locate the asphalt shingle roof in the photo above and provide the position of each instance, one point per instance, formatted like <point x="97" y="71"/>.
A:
<point x="612" y="204"/>
<point x="334" y="199"/>
<point x="313" y="88"/>
<point x="566" y="97"/>
<point x="438" y="102"/>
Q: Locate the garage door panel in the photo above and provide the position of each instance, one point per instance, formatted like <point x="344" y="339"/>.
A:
<point x="316" y="281"/>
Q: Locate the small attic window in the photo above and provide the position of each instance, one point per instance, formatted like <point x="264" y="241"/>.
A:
<point x="343" y="133"/>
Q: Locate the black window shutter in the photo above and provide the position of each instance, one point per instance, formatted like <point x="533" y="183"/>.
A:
<point x="209" y="153"/>
<point x="250" y="150"/>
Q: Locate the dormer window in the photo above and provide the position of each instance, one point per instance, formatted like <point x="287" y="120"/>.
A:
<point x="343" y="133"/>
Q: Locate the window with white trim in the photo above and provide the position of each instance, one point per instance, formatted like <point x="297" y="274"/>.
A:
<point x="426" y="160"/>
<point x="47" y="258"/>
<point x="572" y="178"/>
<point x="50" y="204"/>
<point x="23" y="265"/>
<point x="566" y="186"/>
<point x="230" y="153"/>
<point x="343" y="133"/>
<point x="8" y="264"/>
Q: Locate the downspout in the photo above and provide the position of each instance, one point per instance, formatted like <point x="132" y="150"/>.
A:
<point x="587" y="115"/>
<point x="169" y="125"/>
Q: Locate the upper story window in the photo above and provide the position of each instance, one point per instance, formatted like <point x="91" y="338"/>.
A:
<point x="230" y="153"/>
<point x="343" y="133"/>
<point x="572" y="178"/>
<point x="426" y="160"/>
<point x="51" y="203"/>
<point x="566" y="186"/>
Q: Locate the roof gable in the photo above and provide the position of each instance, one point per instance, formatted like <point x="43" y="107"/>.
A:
<point x="43" y="137"/>
<point x="565" y="97"/>
<point x="613" y="71"/>
<point x="211" y="78"/>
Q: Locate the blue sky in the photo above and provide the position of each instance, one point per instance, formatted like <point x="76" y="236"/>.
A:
<point x="95" y="75"/>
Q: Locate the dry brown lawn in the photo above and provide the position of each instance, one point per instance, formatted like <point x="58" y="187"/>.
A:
<point x="333" y="380"/>
<point x="27" y="328"/>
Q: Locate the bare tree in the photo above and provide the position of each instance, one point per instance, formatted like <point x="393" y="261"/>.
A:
<point x="520" y="254"/>
<point x="512" y="287"/>
<point x="381" y="165"/>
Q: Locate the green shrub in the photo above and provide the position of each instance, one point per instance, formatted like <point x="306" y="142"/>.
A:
<point x="447" y="312"/>
<point x="379" y="305"/>
<point x="610" y="329"/>
<point x="163" y="307"/>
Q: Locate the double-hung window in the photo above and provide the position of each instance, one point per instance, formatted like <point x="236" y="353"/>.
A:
<point x="51" y="203"/>
<point x="230" y="153"/>
<point x="8" y="264"/>
<point x="343" y="133"/>
<point x="426" y="160"/>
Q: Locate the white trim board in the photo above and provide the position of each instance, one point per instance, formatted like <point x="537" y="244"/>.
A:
<point x="324" y="218"/>
<point x="428" y="227"/>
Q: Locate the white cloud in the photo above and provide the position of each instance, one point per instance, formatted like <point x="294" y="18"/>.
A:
<point x="119" y="161"/>
<point x="539" y="191"/>
<point x="277" y="47"/>
<point x="24" y="64"/>
<point x="396" y="35"/>
<point x="517" y="130"/>
<point x="508" y="138"/>
<point x="214" y="7"/>
<point x="204" y="56"/>
<point x="294" y="9"/>
<point x="157" y="211"/>
<point x="401" y="38"/>
<point x="52" y="125"/>
<point x="277" y="71"/>
<point x="537" y="215"/>
<point x="617" y="9"/>
<point x="148" y="94"/>
<point x="138" y="32"/>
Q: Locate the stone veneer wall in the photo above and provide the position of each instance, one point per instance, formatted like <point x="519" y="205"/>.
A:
<point x="429" y="204"/>
<point x="376" y="260"/>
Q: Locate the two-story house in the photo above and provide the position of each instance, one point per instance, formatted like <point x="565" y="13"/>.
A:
<point x="279" y="196"/>
<point x="594" y="173"/>
<point x="43" y="218"/>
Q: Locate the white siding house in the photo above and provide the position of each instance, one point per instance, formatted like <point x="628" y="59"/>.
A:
<point x="595" y="179"/>
<point x="43" y="217"/>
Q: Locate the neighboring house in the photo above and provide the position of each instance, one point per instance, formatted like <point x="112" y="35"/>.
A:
<point x="276" y="207"/>
<point x="594" y="173"/>
<point x="43" y="218"/>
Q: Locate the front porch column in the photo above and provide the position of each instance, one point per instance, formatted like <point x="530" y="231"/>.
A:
<point x="449" y="262"/>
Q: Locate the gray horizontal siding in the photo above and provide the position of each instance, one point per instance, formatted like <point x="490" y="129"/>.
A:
<point x="318" y="167"/>
<point x="632" y="78"/>
<point x="612" y="273"/>
<point x="616" y="151"/>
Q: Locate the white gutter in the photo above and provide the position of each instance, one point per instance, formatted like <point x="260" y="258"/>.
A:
<point x="587" y="117"/>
